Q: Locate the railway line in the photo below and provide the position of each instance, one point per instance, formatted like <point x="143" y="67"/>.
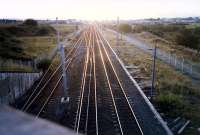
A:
<point x="99" y="90"/>
<point x="47" y="93"/>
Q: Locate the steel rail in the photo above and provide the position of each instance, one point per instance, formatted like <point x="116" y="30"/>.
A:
<point x="110" y="88"/>
<point x="43" y="77"/>
<point x="81" y="98"/>
<point x="95" y="88"/>
<point x="84" y="34"/>
<point x="82" y="85"/>
<point x="47" y="100"/>
<point x="120" y="84"/>
<point x="29" y="104"/>
<point x="154" y="111"/>
<point x="83" y="89"/>
<point x="88" y="95"/>
<point x="68" y="64"/>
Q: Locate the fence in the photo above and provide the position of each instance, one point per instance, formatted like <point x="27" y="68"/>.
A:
<point x="185" y="66"/>
<point x="14" y="85"/>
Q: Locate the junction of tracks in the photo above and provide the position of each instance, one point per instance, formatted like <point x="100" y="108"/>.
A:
<point x="103" y="99"/>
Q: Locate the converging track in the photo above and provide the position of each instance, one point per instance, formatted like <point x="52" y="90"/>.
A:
<point x="103" y="100"/>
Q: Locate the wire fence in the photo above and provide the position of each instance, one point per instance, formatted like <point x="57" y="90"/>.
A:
<point x="181" y="64"/>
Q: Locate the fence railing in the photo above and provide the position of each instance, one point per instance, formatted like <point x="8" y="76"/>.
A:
<point x="181" y="64"/>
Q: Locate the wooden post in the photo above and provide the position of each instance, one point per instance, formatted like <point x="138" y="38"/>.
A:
<point x="182" y="65"/>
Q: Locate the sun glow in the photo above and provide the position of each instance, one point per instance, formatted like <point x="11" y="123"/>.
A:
<point x="98" y="9"/>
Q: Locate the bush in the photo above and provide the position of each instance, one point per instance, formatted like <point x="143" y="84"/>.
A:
<point x="177" y="33"/>
<point x="171" y="104"/>
<point x="189" y="38"/>
<point x="30" y="22"/>
<point x="126" y="28"/>
<point x="44" y="64"/>
<point x="45" y="30"/>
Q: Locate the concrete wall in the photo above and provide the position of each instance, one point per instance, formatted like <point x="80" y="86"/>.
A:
<point x="14" y="85"/>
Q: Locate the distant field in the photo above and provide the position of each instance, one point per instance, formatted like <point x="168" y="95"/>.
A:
<point x="64" y="27"/>
<point x="193" y="26"/>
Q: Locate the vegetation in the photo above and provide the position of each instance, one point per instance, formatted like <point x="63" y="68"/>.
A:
<point x="177" y="33"/>
<point x="125" y="28"/>
<point x="44" y="64"/>
<point x="30" y="22"/>
<point x="64" y="29"/>
<point x="171" y="104"/>
<point x="28" y="41"/>
<point x="11" y="46"/>
<point x="15" y="67"/>
<point x="176" y="94"/>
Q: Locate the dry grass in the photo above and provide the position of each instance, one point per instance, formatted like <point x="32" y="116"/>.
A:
<point x="36" y="46"/>
<point x="168" y="80"/>
<point x="169" y="47"/>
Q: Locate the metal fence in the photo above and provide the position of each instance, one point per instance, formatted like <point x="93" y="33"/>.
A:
<point x="181" y="64"/>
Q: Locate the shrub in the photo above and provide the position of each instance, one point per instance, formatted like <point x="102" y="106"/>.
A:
<point x="45" y="30"/>
<point x="171" y="104"/>
<point x="30" y="22"/>
<point x="44" y="64"/>
<point x="126" y="28"/>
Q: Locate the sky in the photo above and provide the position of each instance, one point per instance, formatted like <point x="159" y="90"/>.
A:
<point x="98" y="9"/>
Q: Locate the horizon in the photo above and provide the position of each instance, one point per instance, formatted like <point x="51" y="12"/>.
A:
<point x="99" y="10"/>
<point x="51" y="19"/>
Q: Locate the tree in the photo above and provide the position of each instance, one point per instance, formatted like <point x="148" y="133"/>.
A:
<point x="126" y="28"/>
<point x="188" y="38"/>
<point x="30" y="22"/>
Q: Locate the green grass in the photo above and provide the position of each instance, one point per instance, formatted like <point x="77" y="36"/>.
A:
<point x="15" y="67"/>
<point x="27" y="48"/>
<point x="12" y="43"/>
<point x="193" y="26"/>
<point x="28" y="45"/>
<point x="36" y="46"/>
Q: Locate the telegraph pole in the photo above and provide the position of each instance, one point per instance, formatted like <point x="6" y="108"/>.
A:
<point x="58" y="33"/>
<point x="65" y="98"/>
<point x="117" y="42"/>
<point x="153" y="71"/>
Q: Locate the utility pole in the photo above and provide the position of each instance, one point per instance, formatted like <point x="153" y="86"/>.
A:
<point x="58" y="33"/>
<point x="65" y="98"/>
<point x="117" y="42"/>
<point x="153" y="71"/>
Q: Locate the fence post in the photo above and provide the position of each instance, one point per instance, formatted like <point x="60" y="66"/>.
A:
<point x="191" y="69"/>
<point x="175" y="61"/>
<point x="170" y="58"/>
<point x="182" y="65"/>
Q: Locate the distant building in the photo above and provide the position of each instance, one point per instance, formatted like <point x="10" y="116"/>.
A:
<point x="9" y="21"/>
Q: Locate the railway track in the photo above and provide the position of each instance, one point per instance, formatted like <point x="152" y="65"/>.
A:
<point x="103" y="107"/>
<point x="45" y="97"/>
<point x="99" y="91"/>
